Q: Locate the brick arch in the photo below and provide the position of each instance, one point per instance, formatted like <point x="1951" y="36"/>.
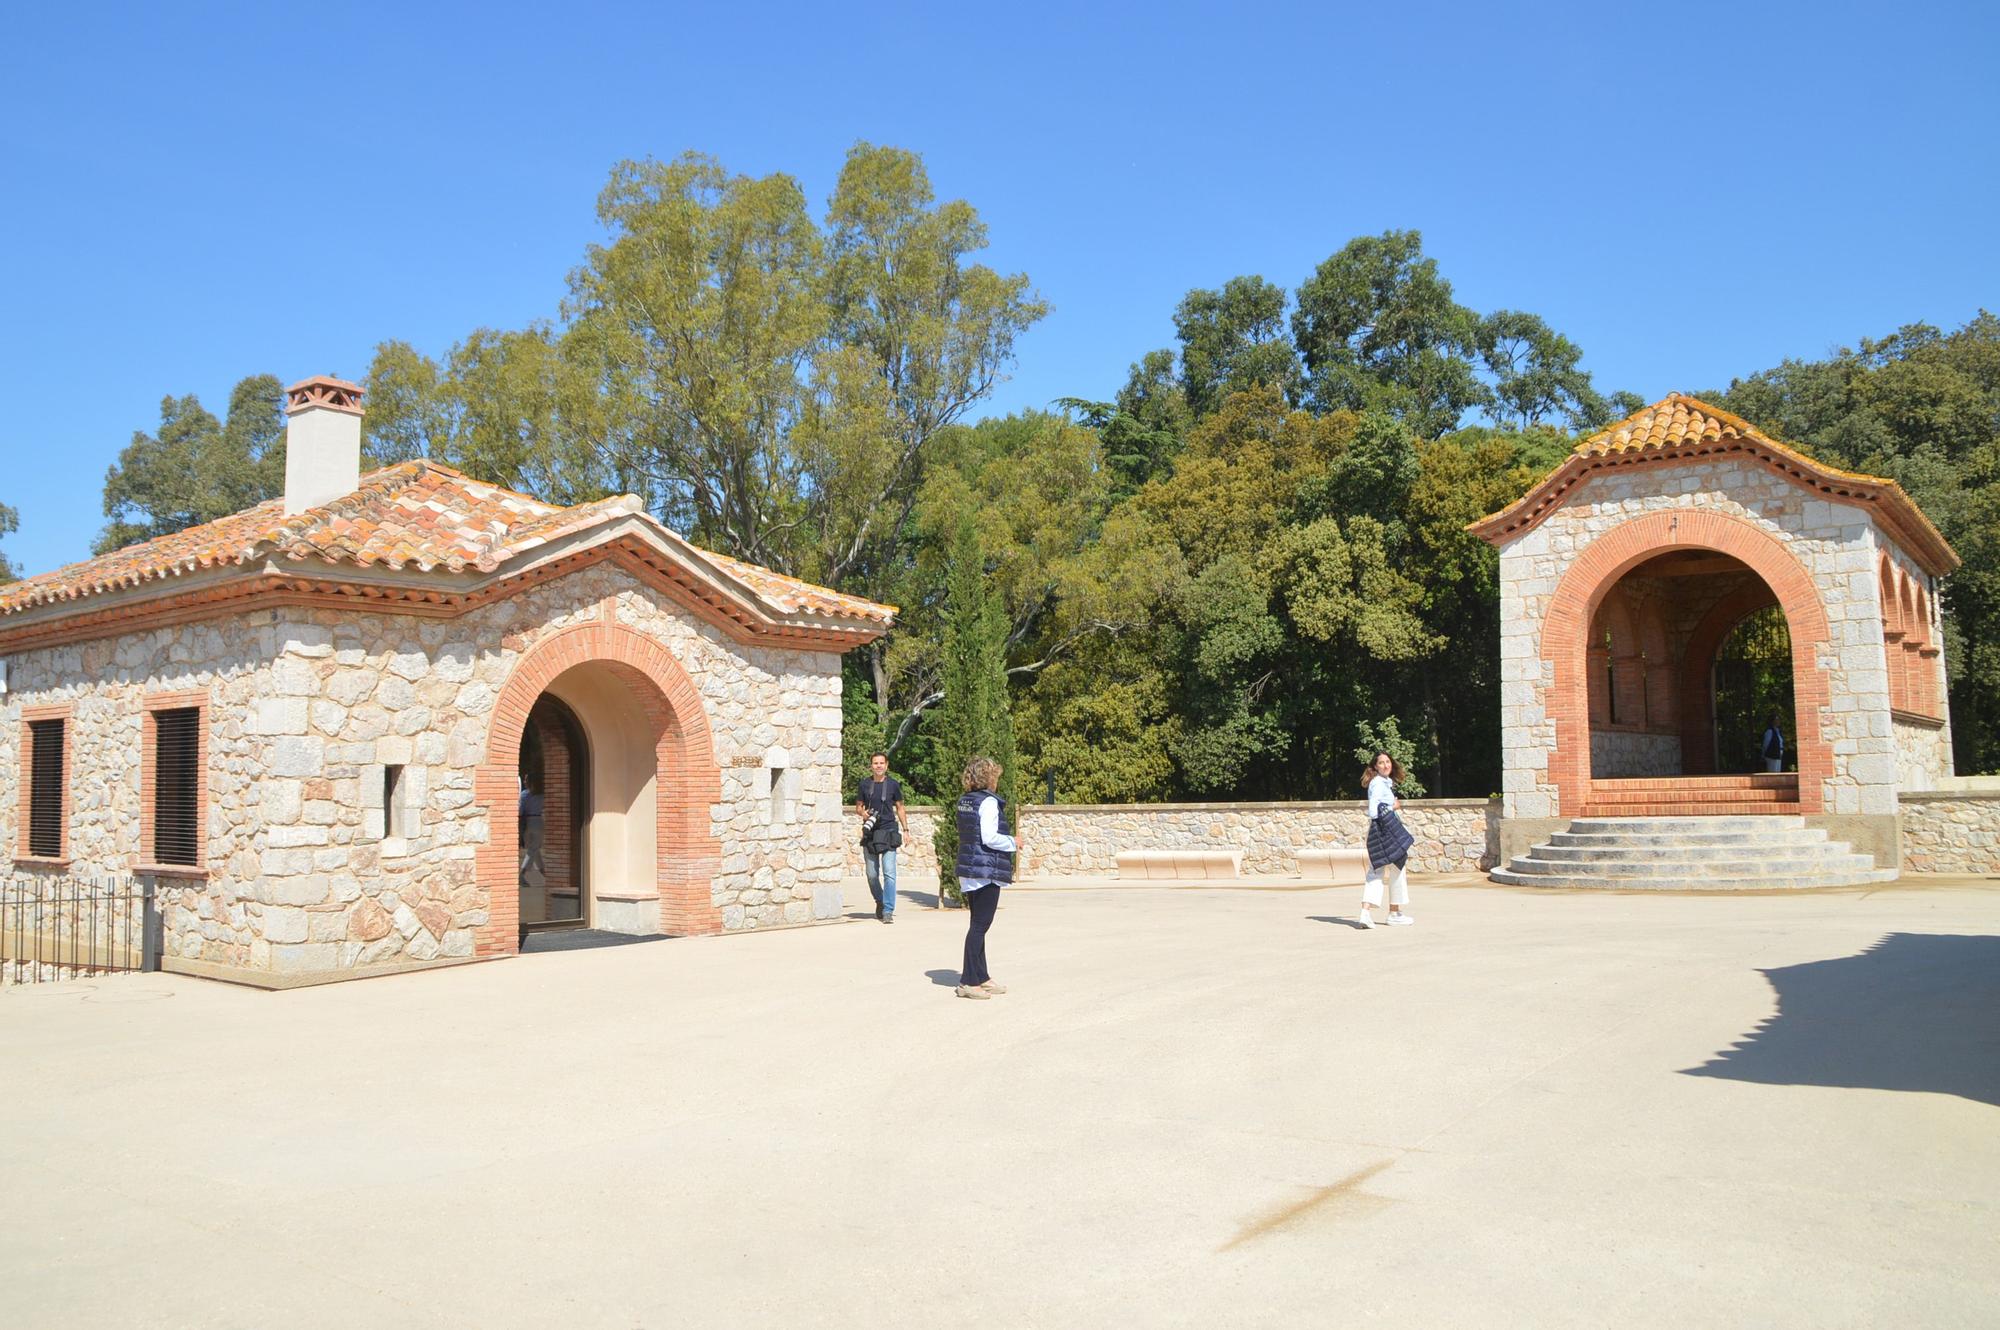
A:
<point x="1593" y="573"/>
<point x="1895" y="629"/>
<point x="1697" y="701"/>
<point x="687" y="781"/>
<point x="1924" y="697"/>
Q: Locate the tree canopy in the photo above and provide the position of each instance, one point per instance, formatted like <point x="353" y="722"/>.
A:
<point x="10" y="521"/>
<point x="1240" y="568"/>
<point x="195" y="468"/>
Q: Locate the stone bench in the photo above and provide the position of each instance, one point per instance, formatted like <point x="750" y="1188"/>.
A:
<point x="1343" y="865"/>
<point x="1181" y="865"/>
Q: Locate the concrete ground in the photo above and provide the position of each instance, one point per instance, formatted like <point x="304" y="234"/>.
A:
<point x="1195" y="1108"/>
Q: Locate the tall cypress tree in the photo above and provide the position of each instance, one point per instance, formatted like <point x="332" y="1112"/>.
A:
<point x="974" y="718"/>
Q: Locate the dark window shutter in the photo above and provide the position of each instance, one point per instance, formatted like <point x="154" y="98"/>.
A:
<point x="177" y="786"/>
<point x="45" y="789"/>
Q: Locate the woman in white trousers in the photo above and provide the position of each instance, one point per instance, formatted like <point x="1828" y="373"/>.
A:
<point x="1381" y="777"/>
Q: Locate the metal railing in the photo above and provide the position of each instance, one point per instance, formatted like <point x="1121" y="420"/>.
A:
<point x="54" y="928"/>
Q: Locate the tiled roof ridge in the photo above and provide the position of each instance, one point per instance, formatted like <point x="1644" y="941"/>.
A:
<point x="1613" y="438"/>
<point x="420" y="514"/>
<point x="1682" y="426"/>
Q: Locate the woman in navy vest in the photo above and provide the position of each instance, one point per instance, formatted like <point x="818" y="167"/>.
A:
<point x="1389" y="843"/>
<point x="985" y="862"/>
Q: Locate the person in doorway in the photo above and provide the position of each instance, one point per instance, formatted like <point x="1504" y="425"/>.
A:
<point x="883" y="823"/>
<point x="985" y="863"/>
<point x="532" y="831"/>
<point x="1774" y="745"/>
<point x="1389" y="843"/>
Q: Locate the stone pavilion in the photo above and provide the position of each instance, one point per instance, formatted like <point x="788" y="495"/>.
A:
<point x="1678" y="581"/>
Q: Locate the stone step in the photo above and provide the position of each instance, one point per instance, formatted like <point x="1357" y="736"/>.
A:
<point x="1692" y="853"/>
<point x="1784" y="836"/>
<point x="1737" y="794"/>
<point x="1686" y="808"/>
<point x="1639" y="854"/>
<point x="1619" y="826"/>
<point x="1743" y="780"/>
<point x="1759" y="883"/>
<point x="1680" y="869"/>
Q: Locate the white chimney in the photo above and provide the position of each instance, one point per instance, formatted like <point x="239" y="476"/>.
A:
<point x="322" y="442"/>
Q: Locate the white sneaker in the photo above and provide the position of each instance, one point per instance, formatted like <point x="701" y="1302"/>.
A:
<point x="1398" y="919"/>
<point x="1364" y="919"/>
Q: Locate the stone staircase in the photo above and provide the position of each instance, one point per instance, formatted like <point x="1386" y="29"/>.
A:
<point x="1703" y="853"/>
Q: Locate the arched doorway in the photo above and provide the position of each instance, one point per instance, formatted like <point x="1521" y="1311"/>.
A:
<point x="647" y="854"/>
<point x="1634" y="629"/>
<point x="1751" y="689"/>
<point x="554" y="817"/>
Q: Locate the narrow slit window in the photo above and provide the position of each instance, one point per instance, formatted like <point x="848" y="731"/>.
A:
<point x="45" y="789"/>
<point x="395" y="801"/>
<point x="177" y="786"/>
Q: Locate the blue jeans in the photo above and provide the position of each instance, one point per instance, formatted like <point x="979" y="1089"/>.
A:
<point x="881" y="870"/>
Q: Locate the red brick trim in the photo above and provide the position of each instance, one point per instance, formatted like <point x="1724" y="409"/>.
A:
<point x="687" y="781"/>
<point x="153" y="703"/>
<point x="66" y="713"/>
<point x="1593" y="573"/>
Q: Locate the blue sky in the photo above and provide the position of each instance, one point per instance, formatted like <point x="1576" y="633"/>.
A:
<point x="193" y="193"/>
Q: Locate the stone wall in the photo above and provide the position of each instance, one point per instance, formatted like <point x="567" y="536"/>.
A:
<point x="1616" y="753"/>
<point x="1923" y="755"/>
<point x="1951" y="833"/>
<point x="1083" y="840"/>
<point x="307" y="705"/>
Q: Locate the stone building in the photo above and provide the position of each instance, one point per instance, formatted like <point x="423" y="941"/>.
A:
<point x="1678" y="581"/>
<point x="311" y="721"/>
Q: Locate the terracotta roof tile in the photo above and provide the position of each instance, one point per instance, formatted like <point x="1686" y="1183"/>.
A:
<point x="1677" y="420"/>
<point x="1679" y="427"/>
<point x="413" y="515"/>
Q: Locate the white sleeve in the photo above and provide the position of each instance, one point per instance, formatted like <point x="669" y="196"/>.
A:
<point x="989" y="827"/>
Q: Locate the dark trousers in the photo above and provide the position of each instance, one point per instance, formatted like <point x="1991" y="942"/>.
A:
<point x="980" y="904"/>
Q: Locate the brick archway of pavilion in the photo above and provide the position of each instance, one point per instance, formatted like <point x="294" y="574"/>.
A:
<point x="1566" y="632"/>
<point x="687" y="781"/>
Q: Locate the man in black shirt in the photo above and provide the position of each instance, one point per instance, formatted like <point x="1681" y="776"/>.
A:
<point x="880" y="803"/>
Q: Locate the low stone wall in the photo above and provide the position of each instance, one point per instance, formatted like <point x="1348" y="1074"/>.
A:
<point x="1084" y="840"/>
<point x="1951" y="832"/>
<point x="1923" y="753"/>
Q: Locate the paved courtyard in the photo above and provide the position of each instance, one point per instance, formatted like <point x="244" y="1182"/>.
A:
<point x="1194" y="1108"/>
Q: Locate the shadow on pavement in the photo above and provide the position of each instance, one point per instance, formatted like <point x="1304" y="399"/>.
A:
<point x="1346" y="920"/>
<point x="582" y="939"/>
<point x="1916" y="1011"/>
<point x="942" y="978"/>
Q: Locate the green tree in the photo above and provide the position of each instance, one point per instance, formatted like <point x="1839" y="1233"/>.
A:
<point x="1378" y="328"/>
<point x="1536" y="374"/>
<point x="409" y="405"/>
<point x="1144" y="427"/>
<point x="1233" y="339"/>
<point x="196" y="469"/>
<point x="704" y="310"/>
<point x="975" y="718"/>
<point x="10" y="522"/>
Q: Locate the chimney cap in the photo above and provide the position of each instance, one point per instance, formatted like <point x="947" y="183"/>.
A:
<point x="323" y="390"/>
